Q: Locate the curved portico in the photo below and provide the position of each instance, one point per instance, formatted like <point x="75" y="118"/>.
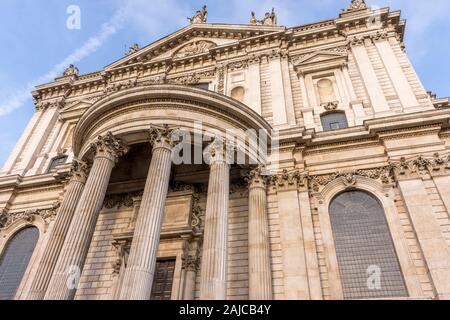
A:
<point x="220" y="126"/>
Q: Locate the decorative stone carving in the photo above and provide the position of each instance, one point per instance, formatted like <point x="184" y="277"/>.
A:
<point x="133" y="49"/>
<point x="420" y="166"/>
<point x="7" y="219"/>
<point x="108" y="146"/>
<point x="253" y="19"/>
<point x="356" y="41"/>
<point x="117" y="86"/>
<point x="191" y="263"/>
<point x="219" y="150"/>
<point x="201" y="16"/>
<point x="270" y="19"/>
<point x="123" y="200"/>
<point x="383" y="174"/>
<point x="357" y="5"/>
<point x="257" y="178"/>
<point x="221" y="78"/>
<point x="71" y="71"/>
<point x="196" y="214"/>
<point x="379" y="35"/>
<point x="194" y="48"/>
<point x="330" y="106"/>
<point x="122" y="247"/>
<point x="161" y="136"/>
<point x="79" y="171"/>
<point x="238" y="65"/>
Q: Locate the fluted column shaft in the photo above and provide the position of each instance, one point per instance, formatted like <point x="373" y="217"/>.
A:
<point x="76" y="245"/>
<point x="62" y="223"/>
<point x="138" y="278"/>
<point x="213" y="282"/>
<point x="260" y="277"/>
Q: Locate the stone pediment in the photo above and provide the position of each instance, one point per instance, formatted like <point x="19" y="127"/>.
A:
<point x="320" y="56"/>
<point x="320" y="59"/>
<point x="79" y="105"/>
<point x="193" y="40"/>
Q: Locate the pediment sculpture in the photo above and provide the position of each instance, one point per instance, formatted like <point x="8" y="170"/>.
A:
<point x="270" y="19"/>
<point x="201" y="16"/>
<point x="357" y="5"/>
<point x="194" y="48"/>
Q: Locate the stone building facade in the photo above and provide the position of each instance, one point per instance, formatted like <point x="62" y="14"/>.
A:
<point x="351" y="202"/>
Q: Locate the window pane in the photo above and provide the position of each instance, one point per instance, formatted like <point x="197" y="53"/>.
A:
<point x="14" y="261"/>
<point x="57" y="162"/>
<point x="201" y="85"/>
<point x="163" y="280"/>
<point x="364" y="246"/>
<point x="334" y="121"/>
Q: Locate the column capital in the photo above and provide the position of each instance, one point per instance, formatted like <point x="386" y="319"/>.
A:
<point x="108" y="146"/>
<point x="161" y="137"/>
<point x="79" y="171"/>
<point x="256" y="178"/>
<point x="219" y="151"/>
<point x="191" y="263"/>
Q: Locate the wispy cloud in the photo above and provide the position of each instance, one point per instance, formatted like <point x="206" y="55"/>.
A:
<point x="20" y="97"/>
<point x="146" y="17"/>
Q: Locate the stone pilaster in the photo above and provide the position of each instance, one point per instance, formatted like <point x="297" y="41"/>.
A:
<point x="64" y="217"/>
<point x="213" y="282"/>
<point x="259" y="270"/>
<point x="409" y="176"/>
<point x="191" y="265"/>
<point x="138" y="278"/>
<point x="76" y="245"/>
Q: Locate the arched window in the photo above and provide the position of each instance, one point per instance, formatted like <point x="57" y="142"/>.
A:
<point x="58" y="161"/>
<point x="238" y="93"/>
<point x="334" y="121"/>
<point x="365" y="251"/>
<point x="14" y="261"/>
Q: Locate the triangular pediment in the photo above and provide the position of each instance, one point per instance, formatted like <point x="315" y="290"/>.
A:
<point x="195" y="39"/>
<point x="78" y="105"/>
<point x="320" y="56"/>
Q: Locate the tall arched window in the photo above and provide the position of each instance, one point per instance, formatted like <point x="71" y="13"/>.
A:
<point x="365" y="251"/>
<point x="14" y="261"/>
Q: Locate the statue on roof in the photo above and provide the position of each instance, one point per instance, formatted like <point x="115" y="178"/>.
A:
<point x="134" y="48"/>
<point x="253" y="20"/>
<point x="357" y="5"/>
<point x="71" y="71"/>
<point x="201" y="16"/>
<point x="270" y="19"/>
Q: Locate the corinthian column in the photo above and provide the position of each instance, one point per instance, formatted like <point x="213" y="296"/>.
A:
<point x="138" y="278"/>
<point x="64" y="217"/>
<point x="260" y="278"/>
<point x="213" y="282"/>
<point x="70" y="264"/>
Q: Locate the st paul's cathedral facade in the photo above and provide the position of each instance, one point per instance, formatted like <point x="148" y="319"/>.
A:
<point x="314" y="166"/>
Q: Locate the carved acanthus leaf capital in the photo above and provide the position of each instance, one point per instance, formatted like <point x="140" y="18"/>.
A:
<point x="191" y="263"/>
<point x="257" y="178"/>
<point x="162" y="137"/>
<point x="219" y="150"/>
<point x="109" y="146"/>
<point x="79" y="171"/>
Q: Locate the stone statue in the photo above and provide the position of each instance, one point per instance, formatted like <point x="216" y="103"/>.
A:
<point x="253" y="20"/>
<point x="134" y="48"/>
<point x="71" y="71"/>
<point x="357" y="5"/>
<point x="200" y="16"/>
<point x="270" y="19"/>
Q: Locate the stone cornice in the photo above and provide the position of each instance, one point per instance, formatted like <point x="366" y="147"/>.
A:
<point x="247" y="39"/>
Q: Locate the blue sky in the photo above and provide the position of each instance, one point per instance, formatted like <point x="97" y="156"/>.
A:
<point x="37" y="44"/>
